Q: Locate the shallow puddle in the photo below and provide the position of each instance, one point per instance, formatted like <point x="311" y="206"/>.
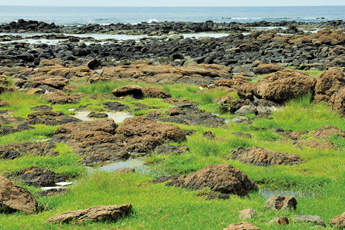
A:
<point x="270" y="193"/>
<point x="118" y="117"/>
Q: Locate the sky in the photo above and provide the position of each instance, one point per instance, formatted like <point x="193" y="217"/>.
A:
<point x="174" y="3"/>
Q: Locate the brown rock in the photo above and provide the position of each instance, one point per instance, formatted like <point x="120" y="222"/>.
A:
<point x="176" y="101"/>
<point x="125" y="170"/>
<point x="3" y="80"/>
<point x="338" y="101"/>
<point x="209" y="135"/>
<point x="35" y="91"/>
<point x="50" y="118"/>
<point x="338" y="221"/>
<point x="5" y="89"/>
<point x="317" y="144"/>
<point x="223" y="100"/>
<point x="281" y="203"/>
<point x="328" y="131"/>
<point x="265" y="157"/>
<point x="59" y="97"/>
<point x="267" y="69"/>
<point x="98" y="213"/>
<point x="220" y="178"/>
<point x="236" y="105"/>
<point x="285" y="85"/>
<point x="242" y="226"/>
<point x="330" y="82"/>
<point x="51" y="62"/>
<point x="3" y="104"/>
<point x="15" y="150"/>
<point x="280" y="220"/>
<point x="155" y="93"/>
<point x="129" y="90"/>
<point x="247" y="213"/>
<point x="15" y="197"/>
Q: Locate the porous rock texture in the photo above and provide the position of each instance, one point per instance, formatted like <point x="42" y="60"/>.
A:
<point x="15" y="150"/>
<point x="281" y="203"/>
<point x="140" y="92"/>
<point x="220" y="178"/>
<point x="37" y="177"/>
<point x="329" y="83"/>
<point x="264" y="157"/>
<point x="285" y="85"/>
<point x="102" y="140"/>
<point x="338" y="221"/>
<point x="97" y="213"/>
<point x="338" y="101"/>
<point x="16" y="197"/>
<point x="267" y="68"/>
<point x="242" y="226"/>
<point x="328" y="131"/>
<point x="50" y="118"/>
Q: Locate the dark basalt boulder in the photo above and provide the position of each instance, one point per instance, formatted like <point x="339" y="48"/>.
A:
<point x="37" y="177"/>
<point x="15" y="150"/>
<point x="264" y="157"/>
<point x="115" y="106"/>
<point x="220" y="178"/>
<point x="50" y="118"/>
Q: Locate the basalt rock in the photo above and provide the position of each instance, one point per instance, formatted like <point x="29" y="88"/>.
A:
<point x="50" y="118"/>
<point x="97" y="213"/>
<point x="328" y="131"/>
<point x="235" y="106"/>
<point x="187" y="114"/>
<point x="20" y="127"/>
<point x="129" y="90"/>
<point x="220" y="178"/>
<point x="174" y="149"/>
<point x="242" y="226"/>
<point x="97" y="115"/>
<point x="15" y="150"/>
<point x="281" y="203"/>
<point x="310" y="219"/>
<point x="338" y="101"/>
<point x="329" y="83"/>
<point x="285" y="85"/>
<point x="317" y="144"/>
<point x="59" y="97"/>
<point x="155" y="93"/>
<point x="267" y="69"/>
<point x="16" y="197"/>
<point x="3" y="103"/>
<point x="338" y="221"/>
<point x="264" y="157"/>
<point x="37" y="177"/>
<point x="115" y="106"/>
<point x="41" y="108"/>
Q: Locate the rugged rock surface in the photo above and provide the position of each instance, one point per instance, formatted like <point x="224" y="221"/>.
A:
<point x="42" y="108"/>
<point x="247" y="213"/>
<point x="338" y="101"/>
<point x="235" y="106"/>
<point x="97" y="213"/>
<point x="3" y="103"/>
<point x="317" y="144"/>
<point x="50" y="118"/>
<point x="187" y="114"/>
<point x="174" y="149"/>
<point x="338" y="221"/>
<point x="213" y="196"/>
<point x="21" y="127"/>
<point x="97" y="115"/>
<point x="264" y="157"/>
<point x="281" y="203"/>
<point x="140" y="92"/>
<point x="220" y="178"/>
<point x="329" y="83"/>
<point x="280" y="220"/>
<point x="267" y="69"/>
<point x="155" y="93"/>
<point x="37" y="177"/>
<point x="285" y="85"/>
<point x="16" y="197"/>
<point x="242" y="226"/>
<point x="102" y="140"/>
<point x="328" y="131"/>
<point x="59" y="97"/>
<point x="125" y="170"/>
<point x="310" y="219"/>
<point x="115" y="106"/>
<point x="15" y="150"/>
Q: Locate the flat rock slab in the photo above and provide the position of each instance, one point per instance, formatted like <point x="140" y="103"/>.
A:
<point x="187" y="114"/>
<point x="15" y="150"/>
<point x="97" y="213"/>
<point x="242" y="226"/>
<point x="264" y="157"/>
<point x="16" y="197"/>
<point x="37" y="177"/>
<point x="50" y="118"/>
<point x="338" y="221"/>
<point x="281" y="203"/>
<point x="310" y="219"/>
<point x="115" y="106"/>
<point x="220" y="178"/>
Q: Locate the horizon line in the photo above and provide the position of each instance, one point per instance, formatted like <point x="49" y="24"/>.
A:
<point x="168" y="6"/>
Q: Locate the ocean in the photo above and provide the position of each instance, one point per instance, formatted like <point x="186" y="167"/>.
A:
<point x="107" y="15"/>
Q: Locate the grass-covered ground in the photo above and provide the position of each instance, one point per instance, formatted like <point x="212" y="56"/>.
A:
<point x="319" y="181"/>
